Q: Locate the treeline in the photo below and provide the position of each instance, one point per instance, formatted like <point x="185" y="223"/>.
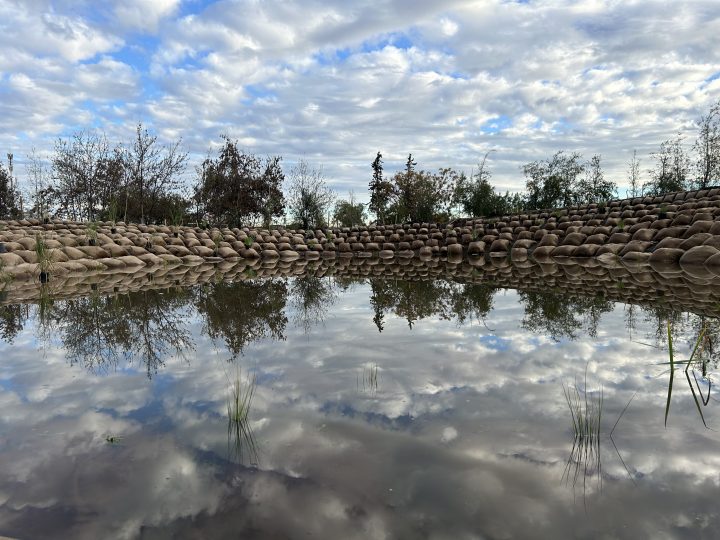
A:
<point x="564" y="179"/>
<point x="89" y="179"/>
<point x="144" y="181"/>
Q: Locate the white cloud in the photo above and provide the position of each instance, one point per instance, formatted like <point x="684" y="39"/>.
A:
<point x="446" y="81"/>
<point x="144" y="14"/>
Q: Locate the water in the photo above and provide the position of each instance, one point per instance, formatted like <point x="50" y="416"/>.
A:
<point x="381" y="407"/>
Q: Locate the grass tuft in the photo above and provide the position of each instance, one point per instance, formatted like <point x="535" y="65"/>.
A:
<point x="241" y="439"/>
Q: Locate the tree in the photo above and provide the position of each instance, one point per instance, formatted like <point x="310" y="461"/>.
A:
<point x="671" y="168"/>
<point x="9" y="197"/>
<point x="349" y="212"/>
<point x="152" y="171"/>
<point x="633" y="175"/>
<point x="237" y="187"/>
<point x="309" y="196"/>
<point x="380" y="190"/>
<point x="421" y="195"/>
<point x="707" y="148"/>
<point x="476" y="196"/>
<point x="593" y="187"/>
<point x="552" y="183"/>
<point x="42" y="193"/>
<point x="81" y="169"/>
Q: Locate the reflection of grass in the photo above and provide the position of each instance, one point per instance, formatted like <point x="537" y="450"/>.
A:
<point x="586" y="415"/>
<point x="241" y="440"/>
<point x="370" y="378"/>
<point x="586" y="409"/>
<point x="696" y="350"/>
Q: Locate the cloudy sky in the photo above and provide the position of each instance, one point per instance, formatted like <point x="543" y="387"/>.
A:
<point x="334" y="82"/>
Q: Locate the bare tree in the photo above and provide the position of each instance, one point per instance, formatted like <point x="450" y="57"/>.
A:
<point x="707" y="148"/>
<point x="79" y="168"/>
<point x="41" y="191"/>
<point x="671" y="168"/>
<point x="633" y="175"/>
<point x="309" y="196"/>
<point x="152" y="170"/>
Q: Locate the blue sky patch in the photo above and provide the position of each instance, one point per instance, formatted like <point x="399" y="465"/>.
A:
<point x="496" y="125"/>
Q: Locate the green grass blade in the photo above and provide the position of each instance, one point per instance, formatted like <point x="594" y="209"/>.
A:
<point x="697" y="404"/>
<point x="672" y="371"/>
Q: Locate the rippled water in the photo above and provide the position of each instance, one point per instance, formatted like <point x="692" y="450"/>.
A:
<point x="353" y="408"/>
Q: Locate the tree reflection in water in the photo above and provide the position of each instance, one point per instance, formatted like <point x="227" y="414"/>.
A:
<point x="311" y="298"/>
<point x="148" y="325"/>
<point x="103" y="332"/>
<point x="12" y="320"/>
<point x="417" y="300"/>
<point x="241" y="312"/>
<point x="559" y="316"/>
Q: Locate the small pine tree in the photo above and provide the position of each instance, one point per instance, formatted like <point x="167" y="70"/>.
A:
<point x="9" y="197"/>
<point x="380" y="190"/>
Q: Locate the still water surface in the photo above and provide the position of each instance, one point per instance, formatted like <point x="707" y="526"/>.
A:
<point x="371" y="408"/>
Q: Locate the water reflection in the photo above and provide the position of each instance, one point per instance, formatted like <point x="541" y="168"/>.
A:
<point x="449" y="422"/>
<point x="240" y="312"/>
<point x="240" y="304"/>
<point x="13" y="318"/>
<point x="561" y="317"/>
<point x="311" y="298"/>
<point x="106" y="332"/>
<point x="241" y="438"/>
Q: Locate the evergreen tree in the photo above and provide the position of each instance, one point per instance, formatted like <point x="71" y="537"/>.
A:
<point x="9" y="197"/>
<point x="380" y="190"/>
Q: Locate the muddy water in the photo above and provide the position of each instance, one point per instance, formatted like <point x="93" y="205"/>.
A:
<point x="354" y="408"/>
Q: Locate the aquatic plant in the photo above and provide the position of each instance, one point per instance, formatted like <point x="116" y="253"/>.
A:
<point x="44" y="311"/>
<point x="370" y="378"/>
<point x="586" y="409"/>
<point x="44" y="258"/>
<point x="92" y="233"/>
<point x="586" y="416"/>
<point x="241" y="439"/>
<point x="697" y="349"/>
<point x="586" y="413"/>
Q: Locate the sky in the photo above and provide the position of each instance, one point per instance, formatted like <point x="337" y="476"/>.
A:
<point x="335" y="82"/>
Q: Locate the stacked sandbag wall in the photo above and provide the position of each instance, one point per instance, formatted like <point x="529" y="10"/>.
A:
<point x="680" y="229"/>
